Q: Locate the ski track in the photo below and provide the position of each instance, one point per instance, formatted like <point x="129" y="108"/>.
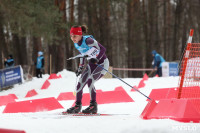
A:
<point x="125" y="118"/>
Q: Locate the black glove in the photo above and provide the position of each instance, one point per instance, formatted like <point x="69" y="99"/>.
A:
<point x="93" y="60"/>
<point x="79" y="70"/>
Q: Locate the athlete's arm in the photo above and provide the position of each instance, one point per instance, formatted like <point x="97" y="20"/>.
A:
<point x="93" y="43"/>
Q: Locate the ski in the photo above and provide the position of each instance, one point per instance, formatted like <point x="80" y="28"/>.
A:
<point x="85" y="114"/>
<point x="64" y="115"/>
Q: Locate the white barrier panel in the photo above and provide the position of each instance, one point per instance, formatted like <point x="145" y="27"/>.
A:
<point x="169" y="69"/>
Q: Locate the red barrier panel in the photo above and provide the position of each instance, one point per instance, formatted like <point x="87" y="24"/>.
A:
<point x="145" y="77"/>
<point x="135" y="88"/>
<point x="70" y="96"/>
<point x="140" y="85"/>
<point x="13" y="96"/>
<point x="45" y="85"/>
<point x="156" y="75"/>
<point x="31" y="93"/>
<point x="190" y="92"/>
<point x="54" y="76"/>
<point x="66" y="96"/>
<point x="183" y="110"/>
<point x="164" y="93"/>
<point x="168" y="93"/>
<point x="36" y="105"/>
<point x="11" y="131"/>
<point x="117" y="96"/>
<point x="148" y="109"/>
<point x="6" y="99"/>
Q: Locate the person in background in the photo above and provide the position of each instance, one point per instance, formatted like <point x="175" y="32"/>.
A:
<point x="157" y="62"/>
<point x="39" y="64"/>
<point x="9" y="62"/>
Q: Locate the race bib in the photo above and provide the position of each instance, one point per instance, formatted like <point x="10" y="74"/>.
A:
<point x="92" y="53"/>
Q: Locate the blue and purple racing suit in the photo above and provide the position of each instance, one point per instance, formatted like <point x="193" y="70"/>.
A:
<point x="92" y="73"/>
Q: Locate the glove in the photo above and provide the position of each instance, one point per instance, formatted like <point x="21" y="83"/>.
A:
<point x="93" y="60"/>
<point x="79" y="71"/>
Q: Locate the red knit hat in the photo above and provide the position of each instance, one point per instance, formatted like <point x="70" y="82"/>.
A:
<point x="76" y="31"/>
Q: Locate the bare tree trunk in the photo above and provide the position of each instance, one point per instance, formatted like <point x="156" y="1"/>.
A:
<point x="176" y="34"/>
<point x="60" y="60"/>
<point x="3" y="49"/>
<point x="135" y="45"/>
<point x="37" y="46"/>
<point x="29" y="50"/>
<point x="72" y="10"/>
<point x="104" y="23"/>
<point x="145" y="32"/>
<point x="80" y="11"/>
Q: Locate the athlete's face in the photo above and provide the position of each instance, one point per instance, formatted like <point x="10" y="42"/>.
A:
<point x="76" y="38"/>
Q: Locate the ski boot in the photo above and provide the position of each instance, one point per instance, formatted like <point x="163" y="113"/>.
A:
<point x="92" y="109"/>
<point x="74" y="110"/>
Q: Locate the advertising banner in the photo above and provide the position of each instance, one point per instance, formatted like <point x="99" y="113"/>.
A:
<point x="11" y="76"/>
<point x="169" y="69"/>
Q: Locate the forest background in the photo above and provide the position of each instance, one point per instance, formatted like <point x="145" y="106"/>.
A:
<point x="128" y="29"/>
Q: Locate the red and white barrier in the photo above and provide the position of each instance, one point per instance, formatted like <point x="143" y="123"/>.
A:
<point x="46" y="85"/>
<point x="54" y="76"/>
<point x="36" y="105"/>
<point x="119" y="95"/>
<point x="2" y="130"/>
<point x="31" y="93"/>
<point x="6" y="99"/>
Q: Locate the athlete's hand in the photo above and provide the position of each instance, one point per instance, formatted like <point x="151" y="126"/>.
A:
<point x="93" y="60"/>
<point x="79" y="70"/>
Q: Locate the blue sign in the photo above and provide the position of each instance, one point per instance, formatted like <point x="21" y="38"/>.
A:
<point x="173" y="69"/>
<point x="10" y="76"/>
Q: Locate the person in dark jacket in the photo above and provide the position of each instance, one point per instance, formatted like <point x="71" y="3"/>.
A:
<point x="157" y="62"/>
<point x="39" y="64"/>
<point x="9" y="62"/>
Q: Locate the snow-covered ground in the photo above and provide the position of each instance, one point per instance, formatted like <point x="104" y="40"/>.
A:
<point x="126" y="120"/>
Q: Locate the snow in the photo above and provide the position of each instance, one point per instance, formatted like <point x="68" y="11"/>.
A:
<point x="126" y="119"/>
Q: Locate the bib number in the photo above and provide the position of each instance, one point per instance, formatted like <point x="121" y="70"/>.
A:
<point x="92" y="53"/>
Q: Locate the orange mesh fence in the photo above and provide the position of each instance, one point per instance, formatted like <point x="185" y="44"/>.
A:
<point x="189" y="83"/>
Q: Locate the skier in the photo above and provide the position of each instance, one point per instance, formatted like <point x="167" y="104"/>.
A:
<point x="39" y="64"/>
<point x="9" y="62"/>
<point x="87" y="46"/>
<point x="157" y="62"/>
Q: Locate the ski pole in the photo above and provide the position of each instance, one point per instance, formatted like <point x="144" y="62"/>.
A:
<point x="74" y="93"/>
<point x="123" y="81"/>
<point x="85" y="56"/>
<point x="78" y="56"/>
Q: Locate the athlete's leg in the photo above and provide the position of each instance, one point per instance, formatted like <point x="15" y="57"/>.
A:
<point x="95" y="76"/>
<point x="82" y="82"/>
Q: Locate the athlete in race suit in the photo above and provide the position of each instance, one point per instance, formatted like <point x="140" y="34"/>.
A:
<point x="87" y="45"/>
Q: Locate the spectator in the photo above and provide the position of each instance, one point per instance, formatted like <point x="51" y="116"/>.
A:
<point x="157" y="62"/>
<point x="9" y="62"/>
<point x="39" y="64"/>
